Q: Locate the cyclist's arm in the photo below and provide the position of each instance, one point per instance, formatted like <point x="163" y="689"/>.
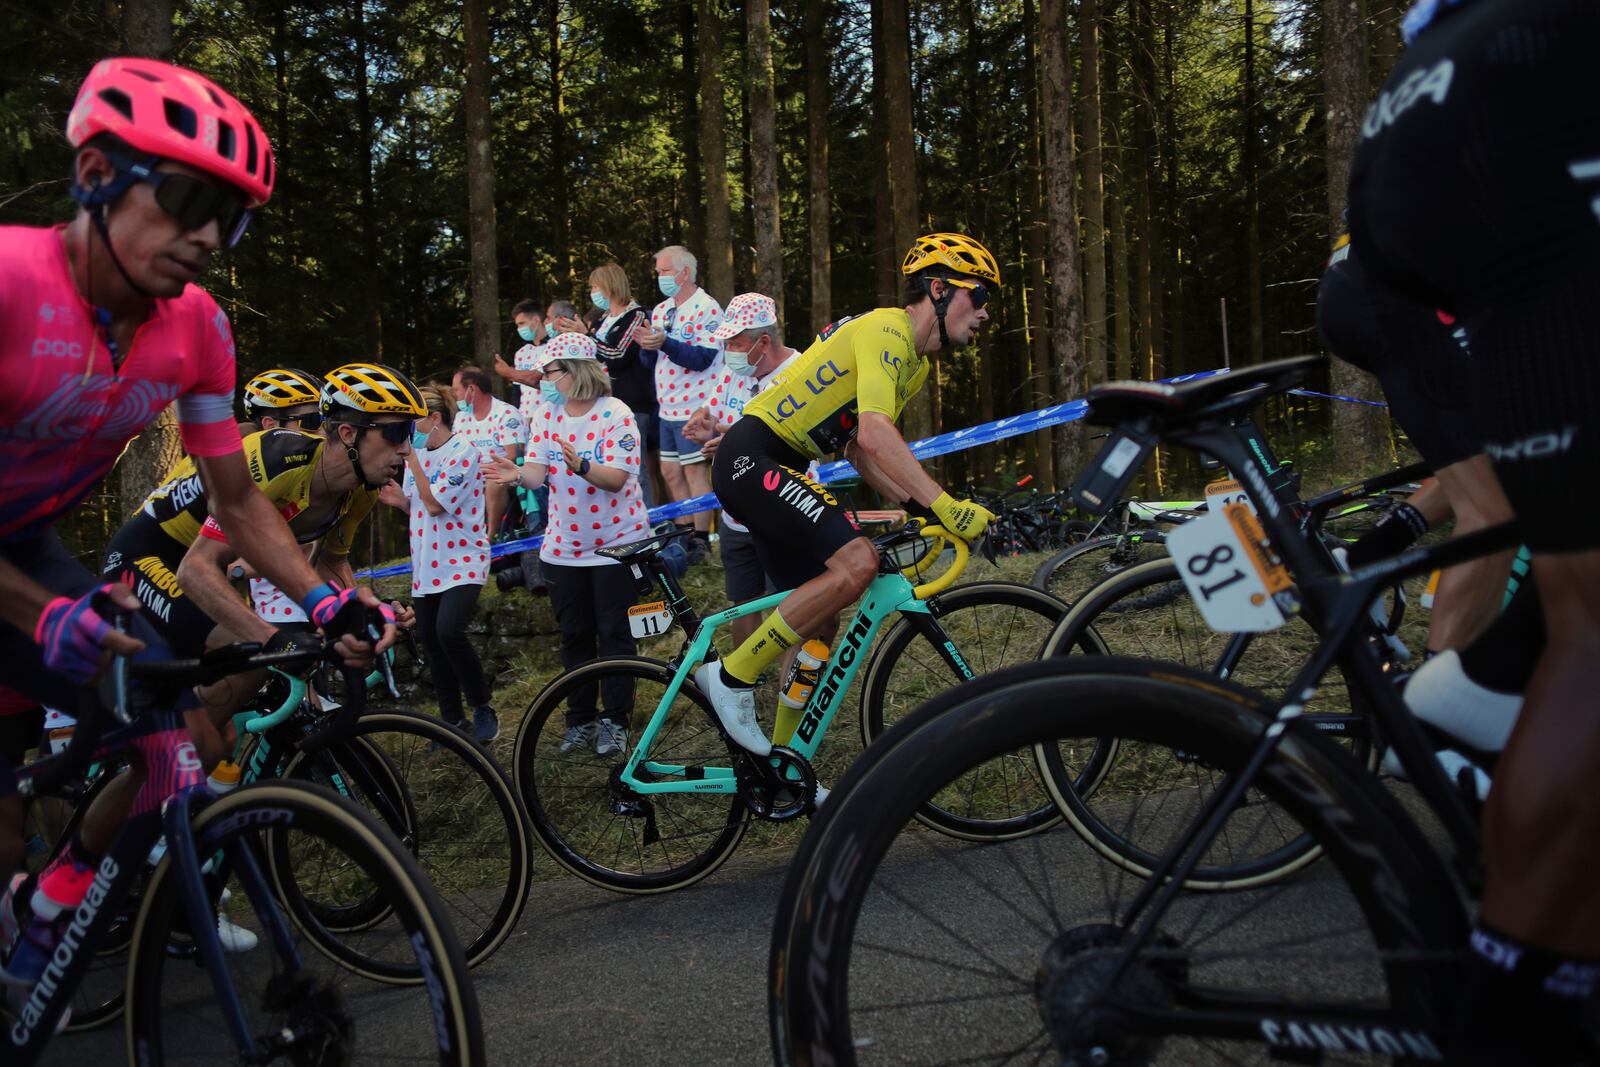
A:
<point x="892" y="491"/>
<point x="203" y="576"/>
<point x="255" y="529"/>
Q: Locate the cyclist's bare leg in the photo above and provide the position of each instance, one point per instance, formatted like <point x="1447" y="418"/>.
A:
<point x="1469" y="594"/>
<point x="813" y="609"/>
<point x="1543" y="815"/>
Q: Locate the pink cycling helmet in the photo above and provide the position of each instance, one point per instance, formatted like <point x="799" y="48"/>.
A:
<point x="179" y="115"/>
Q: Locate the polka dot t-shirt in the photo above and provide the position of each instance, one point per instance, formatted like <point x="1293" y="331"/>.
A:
<point x="531" y="407"/>
<point x="584" y="517"/>
<point x="450" y="549"/>
<point x="494" y="432"/>
<point x="273" y="604"/>
<point x="678" y="389"/>
<point x="727" y="403"/>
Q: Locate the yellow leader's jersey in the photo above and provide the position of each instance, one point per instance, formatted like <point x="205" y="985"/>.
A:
<point x="281" y="464"/>
<point x="868" y="363"/>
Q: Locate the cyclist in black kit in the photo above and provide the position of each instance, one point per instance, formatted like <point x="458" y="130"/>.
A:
<point x="1476" y="190"/>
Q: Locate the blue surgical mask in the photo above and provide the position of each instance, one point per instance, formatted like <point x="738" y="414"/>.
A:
<point x="551" y="394"/>
<point x="738" y="362"/>
<point x="549" y="329"/>
<point x="528" y="334"/>
<point x="598" y="299"/>
<point x="669" y="285"/>
<point x="419" y="440"/>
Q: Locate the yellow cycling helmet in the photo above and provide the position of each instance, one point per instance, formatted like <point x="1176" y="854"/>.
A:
<point x="954" y="252"/>
<point x="283" y="387"/>
<point x="357" y="391"/>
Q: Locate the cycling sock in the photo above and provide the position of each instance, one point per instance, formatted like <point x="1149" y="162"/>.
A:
<point x="1394" y="533"/>
<point x="1504" y="655"/>
<point x="788" y="718"/>
<point x="760" y="650"/>
<point x="1520" y="1004"/>
<point x="1441" y="693"/>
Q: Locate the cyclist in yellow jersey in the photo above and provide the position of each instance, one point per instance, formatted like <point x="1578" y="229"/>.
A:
<point x="842" y="394"/>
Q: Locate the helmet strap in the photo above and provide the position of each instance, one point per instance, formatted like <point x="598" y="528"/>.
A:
<point x="941" y="304"/>
<point x="353" y="451"/>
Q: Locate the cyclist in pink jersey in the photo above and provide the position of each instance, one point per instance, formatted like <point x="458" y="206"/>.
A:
<point x="100" y="329"/>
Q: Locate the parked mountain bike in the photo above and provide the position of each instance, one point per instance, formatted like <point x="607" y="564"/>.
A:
<point x="890" y="948"/>
<point x="284" y="1001"/>
<point x="678" y="805"/>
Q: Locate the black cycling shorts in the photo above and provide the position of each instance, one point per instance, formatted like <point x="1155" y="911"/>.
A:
<point x="796" y="524"/>
<point x="1476" y="189"/>
<point x="1421" y="360"/>
<point x="142" y="557"/>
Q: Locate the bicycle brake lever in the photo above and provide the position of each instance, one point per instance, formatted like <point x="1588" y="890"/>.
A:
<point x="986" y="547"/>
<point x="385" y="664"/>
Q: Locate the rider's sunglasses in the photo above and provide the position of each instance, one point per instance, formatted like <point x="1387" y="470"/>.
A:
<point x="978" y="292"/>
<point x="311" y="420"/>
<point x="191" y="201"/>
<point x="395" y="432"/>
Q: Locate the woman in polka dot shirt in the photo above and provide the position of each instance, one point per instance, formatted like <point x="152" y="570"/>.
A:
<point x="588" y="448"/>
<point x="443" y="492"/>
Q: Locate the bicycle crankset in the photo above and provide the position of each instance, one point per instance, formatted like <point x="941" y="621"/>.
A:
<point x="1072" y="989"/>
<point x="777" y="788"/>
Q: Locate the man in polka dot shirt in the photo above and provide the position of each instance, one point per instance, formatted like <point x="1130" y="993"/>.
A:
<point x="491" y="424"/>
<point x="523" y="370"/>
<point x="688" y="362"/>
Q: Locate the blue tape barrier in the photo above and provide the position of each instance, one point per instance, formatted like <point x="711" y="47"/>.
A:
<point x="928" y="448"/>
<point x="1336" y="396"/>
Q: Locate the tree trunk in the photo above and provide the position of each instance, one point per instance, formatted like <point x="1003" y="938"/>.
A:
<point x="1250" y="164"/>
<point x="885" y="267"/>
<point x="1094" y="198"/>
<point x="560" y="189"/>
<point x="919" y="410"/>
<point x="821" y="203"/>
<point x="372" y="314"/>
<point x="480" y="185"/>
<point x="1119" y="230"/>
<point x="718" y="279"/>
<point x="147" y="31"/>
<point x="1066" y="304"/>
<point x="1035" y="294"/>
<point x="764" y="155"/>
<point x="693" y="182"/>
<point x="1173" y="272"/>
<point x="1361" y="437"/>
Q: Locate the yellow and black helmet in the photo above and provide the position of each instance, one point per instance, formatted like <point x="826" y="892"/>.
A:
<point x="953" y="253"/>
<point x="357" y="391"/>
<point x="283" y="387"/>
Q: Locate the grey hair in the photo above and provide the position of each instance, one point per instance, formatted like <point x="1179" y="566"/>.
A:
<point x="588" y="378"/>
<point x="756" y="333"/>
<point x="681" y="258"/>
<point x="563" y="309"/>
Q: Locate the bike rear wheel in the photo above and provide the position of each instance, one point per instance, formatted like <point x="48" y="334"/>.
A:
<point x="1071" y="573"/>
<point x="294" y="1000"/>
<point x="593" y="825"/>
<point x="908" y="948"/>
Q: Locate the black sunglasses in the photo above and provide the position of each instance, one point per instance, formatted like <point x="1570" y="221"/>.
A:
<point x="191" y="201"/>
<point x="977" y="291"/>
<point x="311" y="420"/>
<point x="395" y="432"/>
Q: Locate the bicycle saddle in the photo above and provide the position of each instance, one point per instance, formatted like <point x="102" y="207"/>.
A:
<point x="1219" y="395"/>
<point x="639" y="551"/>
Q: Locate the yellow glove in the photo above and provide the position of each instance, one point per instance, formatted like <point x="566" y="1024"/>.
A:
<point x="964" y="518"/>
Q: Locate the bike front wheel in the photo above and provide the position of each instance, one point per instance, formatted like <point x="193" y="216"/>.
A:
<point x="295" y="1004"/>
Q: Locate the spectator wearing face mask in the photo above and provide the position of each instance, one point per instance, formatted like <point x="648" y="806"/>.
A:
<point x="632" y="376"/>
<point x="687" y="365"/>
<point x="491" y="424"/>
<point x="753" y="355"/>
<point x="588" y="449"/>
<point x="443" y="493"/>
<point x="529" y="320"/>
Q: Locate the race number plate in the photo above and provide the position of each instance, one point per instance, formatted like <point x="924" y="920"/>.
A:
<point x="649" y="620"/>
<point x="1228" y="491"/>
<point x="1228" y="570"/>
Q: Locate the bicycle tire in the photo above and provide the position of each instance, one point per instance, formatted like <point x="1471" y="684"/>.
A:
<point x="159" y="1029"/>
<point x="1072" y="572"/>
<point x="1129" y="621"/>
<point x="472" y="839"/>
<point x="569" y="795"/>
<point x="1402" y="891"/>
<point x="1025" y="805"/>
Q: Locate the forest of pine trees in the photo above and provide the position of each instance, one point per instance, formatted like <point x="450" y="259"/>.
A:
<point x="1159" y="178"/>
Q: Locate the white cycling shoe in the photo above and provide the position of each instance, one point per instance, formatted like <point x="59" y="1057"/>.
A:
<point x="736" y="708"/>
<point x="234" y="938"/>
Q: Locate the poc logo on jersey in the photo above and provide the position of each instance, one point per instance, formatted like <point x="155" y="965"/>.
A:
<point x="44" y="346"/>
<point x="1433" y="83"/>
